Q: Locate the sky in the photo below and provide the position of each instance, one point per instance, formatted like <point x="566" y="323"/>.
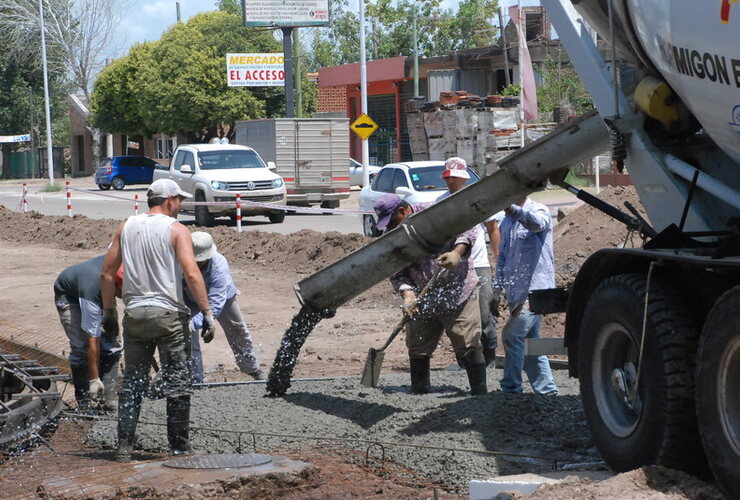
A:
<point x="146" y="20"/>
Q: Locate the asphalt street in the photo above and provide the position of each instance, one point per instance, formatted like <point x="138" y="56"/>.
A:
<point x="88" y="200"/>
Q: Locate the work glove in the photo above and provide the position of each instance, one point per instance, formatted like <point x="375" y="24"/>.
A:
<point x="209" y="327"/>
<point x="110" y="323"/>
<point x="497" y="301"/>
<point x="409" y="306"/>
<point x="449" y="260"/>
<point x="96" y="388"/>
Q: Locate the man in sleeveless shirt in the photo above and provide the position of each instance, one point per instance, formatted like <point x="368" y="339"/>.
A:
<point x="157" y="253"/>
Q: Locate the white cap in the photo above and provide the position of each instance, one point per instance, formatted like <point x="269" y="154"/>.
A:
<point x="203" y="246"/>
<point x="164" y="188"/>
<point x="456" y="167"/>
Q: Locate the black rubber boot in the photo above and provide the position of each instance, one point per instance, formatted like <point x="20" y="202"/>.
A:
<point x="178" y="425"/>
<point x="81" y="381"/>
<point x="420" y="383"/>
<point x="477" y="378"/>
<point x="129" y="406"/>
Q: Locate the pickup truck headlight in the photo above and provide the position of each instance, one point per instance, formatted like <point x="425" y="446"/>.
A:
<point x="277" y="183"/>
<point x="221" y="186"/>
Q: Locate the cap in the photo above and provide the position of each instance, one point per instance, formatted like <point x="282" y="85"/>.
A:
<point x="456" y="167"/>
<point x="385" y="207"/>
<point x="203" y="246"/>
<point x="164" y="188"/>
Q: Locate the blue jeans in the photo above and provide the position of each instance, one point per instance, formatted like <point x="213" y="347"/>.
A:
<point x="521" y="326"/>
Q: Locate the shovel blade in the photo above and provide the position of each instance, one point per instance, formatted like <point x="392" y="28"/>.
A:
<point x="373" y="364"/>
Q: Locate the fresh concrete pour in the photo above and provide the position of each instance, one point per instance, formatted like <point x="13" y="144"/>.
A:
<point x="537" y="430"/>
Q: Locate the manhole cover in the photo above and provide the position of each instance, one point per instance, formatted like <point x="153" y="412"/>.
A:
<point x="223" y="461"/>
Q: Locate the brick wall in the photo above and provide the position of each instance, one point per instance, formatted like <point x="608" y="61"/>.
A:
<point x="332" y="99"/>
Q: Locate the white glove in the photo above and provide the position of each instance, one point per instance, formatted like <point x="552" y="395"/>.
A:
<point x="96" y="388"/>
<point x="449" y="260"/>
<point x="209" y="327"/>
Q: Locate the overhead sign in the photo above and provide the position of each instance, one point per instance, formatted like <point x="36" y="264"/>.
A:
<point x="289" y="13"/>
<point x="15" y="138"/>
<point x="364" y="126"/>
<point x="255" y="70"/>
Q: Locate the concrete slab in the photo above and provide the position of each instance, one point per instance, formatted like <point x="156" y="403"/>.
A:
<point x="527" y="483"/>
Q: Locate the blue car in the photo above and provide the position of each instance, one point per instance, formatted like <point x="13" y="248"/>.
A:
<point x="121" y="171"/>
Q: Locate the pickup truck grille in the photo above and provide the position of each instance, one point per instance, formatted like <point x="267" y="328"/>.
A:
<point x="243" y="186"/>
<point x="262" y="198"/>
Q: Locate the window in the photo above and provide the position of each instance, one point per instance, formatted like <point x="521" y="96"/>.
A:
<point x="399" y="180"/>
<point x="165" y="147"/>
<point x="180" y="159"/>
<point x="384" y="182"/>
<point x="430" y="178"/>
<point x="213" y="160"/>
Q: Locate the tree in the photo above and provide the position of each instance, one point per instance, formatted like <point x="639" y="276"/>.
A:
<point x="561" y="86"/>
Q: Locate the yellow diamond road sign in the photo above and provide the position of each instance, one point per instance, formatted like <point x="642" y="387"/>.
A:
<point x="364" y="126"/>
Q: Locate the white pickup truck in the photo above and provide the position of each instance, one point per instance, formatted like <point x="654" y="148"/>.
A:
<point x="217" y="172"/>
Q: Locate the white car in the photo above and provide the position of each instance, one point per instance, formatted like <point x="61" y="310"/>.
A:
<point x="216" y="172"/>
<point x="355" y="172"/>
<point x="413" y="181"/>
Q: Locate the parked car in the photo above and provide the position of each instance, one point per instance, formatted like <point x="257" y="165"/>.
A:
<point x="216" y="172"/>
<point x="355" y="172"/>
<point x="413" y="181"/>
<point x="122" y="171"/>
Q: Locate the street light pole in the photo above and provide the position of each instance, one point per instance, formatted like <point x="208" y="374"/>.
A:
<point x="49" y="159"/>
<point x="416" y="54"/>
<point x="363" y="93"/>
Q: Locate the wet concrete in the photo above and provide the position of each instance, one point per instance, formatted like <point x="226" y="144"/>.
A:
<point x="545" y="432"/>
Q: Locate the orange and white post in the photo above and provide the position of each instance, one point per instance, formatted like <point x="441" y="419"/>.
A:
<point x="69" y="199"/>
<point x="24" y="200"/>
<point x="136" y="204"/>
<point x="238" y="212"/>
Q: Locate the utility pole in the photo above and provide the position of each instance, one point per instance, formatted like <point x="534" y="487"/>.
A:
<point x="298" y="83"/>
<point x="506" y="48"/>
<point x="49" y="159"/>
<point x="177" y="9"/>
<point x="33" y="136"/>
<point x="288" y="64"/>
<point x="416" y="53"/>
<point x="363" y="92"/>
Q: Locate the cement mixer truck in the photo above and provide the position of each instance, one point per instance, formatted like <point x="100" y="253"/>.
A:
<point x="652" y="333"/>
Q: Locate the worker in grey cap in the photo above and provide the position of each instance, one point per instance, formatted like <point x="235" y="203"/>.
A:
<point x="157" y="253"/>
<point x="449" y="306"/>
<point x="222" y="294"/>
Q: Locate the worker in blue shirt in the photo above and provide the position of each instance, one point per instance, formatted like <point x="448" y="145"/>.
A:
<point x="222" y="294"/>
<point x="526" y="262"/>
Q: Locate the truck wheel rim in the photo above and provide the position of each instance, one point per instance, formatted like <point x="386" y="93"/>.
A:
<point x="615" y="350"/>
<point x="728" y="392"/>
<point x="368" y="226"/>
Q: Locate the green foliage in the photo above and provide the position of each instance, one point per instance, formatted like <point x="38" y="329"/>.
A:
<point x="573" y="179"/>
<point x="512" y="89"/>
<point x="561" y="86"/>
<point x="230" y="6"/>
<point x="177" y="85"/>
<point x="52" y="188"/>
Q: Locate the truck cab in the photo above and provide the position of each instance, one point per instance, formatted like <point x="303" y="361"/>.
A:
<point x="215" y="173"/>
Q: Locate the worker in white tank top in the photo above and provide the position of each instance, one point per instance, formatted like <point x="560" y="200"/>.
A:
<point x="157" y="253"/>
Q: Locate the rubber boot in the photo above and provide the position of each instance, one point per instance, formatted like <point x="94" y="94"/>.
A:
<point x="178" y="425"/>
<point x="420" y="383"/>
<point x="81" y="381"/>
<point x="477" y="378"/>
<point x="129" y="406"/>
<point x="109" y="377"/>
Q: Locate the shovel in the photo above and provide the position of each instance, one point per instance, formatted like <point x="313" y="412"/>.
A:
<point x="374" y="361"/>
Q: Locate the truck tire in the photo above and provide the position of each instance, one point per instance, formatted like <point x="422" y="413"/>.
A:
<point x="658" y="425"/>
<point x="203" y="217"/>
<point x="277" y="217"/>
<point x="717" y="390"/>
<point x="330" y="205"/>
<point x="368" y="227"/>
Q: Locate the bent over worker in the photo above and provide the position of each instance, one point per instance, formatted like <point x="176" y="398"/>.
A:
<point x="94" y="354"/>
<point x="157" y="252"/>
<point x="222" y="294"/>
<point x="450" y="305"/>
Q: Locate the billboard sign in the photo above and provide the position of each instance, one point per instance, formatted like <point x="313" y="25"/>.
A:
<point x="288" y="13"/>
<point x="255" y="70"/>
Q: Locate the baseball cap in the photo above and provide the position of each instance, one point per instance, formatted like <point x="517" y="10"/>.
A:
<point x="385" y="207"/>
<point x="456" y="167"/>
<point x="203" y="246"/>
<point x="164" y="188"/>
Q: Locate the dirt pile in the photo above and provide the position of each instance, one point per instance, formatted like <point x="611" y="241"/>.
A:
<point x="647" y="483"/>
<point x="586" y="229"/>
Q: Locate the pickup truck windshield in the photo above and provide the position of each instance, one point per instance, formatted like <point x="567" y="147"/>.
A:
<point x="217" y="160"/>
<point x="430" y="178"/>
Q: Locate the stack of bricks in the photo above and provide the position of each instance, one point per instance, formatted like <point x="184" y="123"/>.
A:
<point x="332" y="99"/>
